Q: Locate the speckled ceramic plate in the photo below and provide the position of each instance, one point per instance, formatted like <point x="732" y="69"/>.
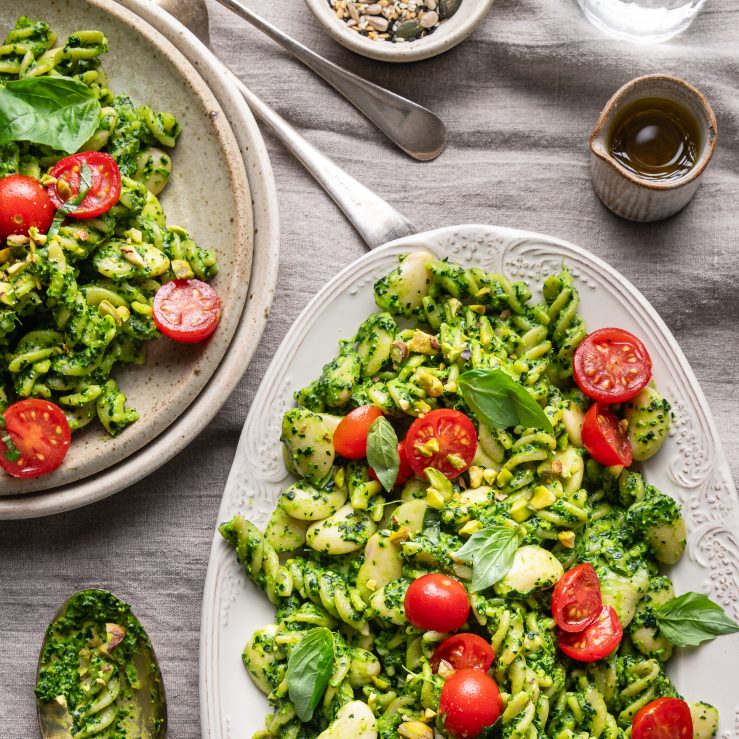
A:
<point x="222" y="190"/>
<point x="691" y="466"/>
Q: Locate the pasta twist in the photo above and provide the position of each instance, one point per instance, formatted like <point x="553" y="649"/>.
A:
<point x="258" y="557"/>
<point x="566" y="328"/>
<point x="640" y="681"/>
<point x="328" y="589"/>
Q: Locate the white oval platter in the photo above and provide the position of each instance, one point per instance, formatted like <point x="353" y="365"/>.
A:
<point x="692" y="466"/>
<point x="257" y="219"/>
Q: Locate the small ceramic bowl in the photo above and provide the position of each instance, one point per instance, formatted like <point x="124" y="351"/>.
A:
<point x="448" y="34"/>
<point x="634" y="197"/>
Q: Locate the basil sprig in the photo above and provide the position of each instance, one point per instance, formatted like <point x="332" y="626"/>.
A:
<point x="382" y="452"/>
<point x="498" y="401"/>
<point x="490" y="551"/>
<point x="692" y="618"/>
<point x="12" y="453"/>
<point x="57" y="111"/>
<point x="309" y="669"/>
<point x="71" y="205"/>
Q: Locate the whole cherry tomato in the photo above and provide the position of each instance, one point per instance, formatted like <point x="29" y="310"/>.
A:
<point x="611" y="365"/>
<point x="444" y="439"/>
<point x="604" y="437"/>
<point x="470" y="701"/>
<point x="576" y="600"/>
<point x="463" y="651"/>
<point x="664" y="718"/>
<point x="437" y="602"/>
<point x="350" y="437"/>
<point x="24" y="202"/>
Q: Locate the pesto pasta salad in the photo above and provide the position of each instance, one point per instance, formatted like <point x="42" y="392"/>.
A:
<point x="90" y="270"/>
<point x="467" y="550"/>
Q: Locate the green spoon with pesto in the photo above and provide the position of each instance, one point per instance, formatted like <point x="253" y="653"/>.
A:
<point x="98" y="675"/>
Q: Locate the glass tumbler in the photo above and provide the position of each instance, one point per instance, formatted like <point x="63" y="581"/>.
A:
<point x="647" y="20"/>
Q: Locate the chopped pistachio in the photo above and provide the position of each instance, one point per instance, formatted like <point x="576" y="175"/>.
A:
<point x="503" y="478"/>
<point x="543" y="497"/>
<point x="423" y="343"/>
<point x="470" y="527"/>
<point x="489" y="475"/>
<point x="520" y="511"/>
<point x="415" y="730"/>
<point x="429" y="448"/>
<point x="181" y="269"/>
<point x="475" y="474"/>
<point x="428" y="382"/>
<point x="567" y="539"/>
<point x="435" y="499"/>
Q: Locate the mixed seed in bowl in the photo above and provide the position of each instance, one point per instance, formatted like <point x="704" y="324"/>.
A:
<point x="397" y="21"/>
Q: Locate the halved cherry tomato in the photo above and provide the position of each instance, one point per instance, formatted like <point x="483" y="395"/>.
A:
<point x="437" y="602"/>
<point x="39" y="431"/>
<point x="596" y="641"/>
<point x="664" y="718"/>
<point x="444" y="439"/>
<point x="611" y="365"/>
<point x="105" y="188"/>
<point x="462" y="651"/>
<point x="470" y="701"/>
<point x="350" y="437"/>
<point x="604" y="437"/>
<point x="24" y="202"/>
<point x="187" y="310"/>
<point x="576" y="601"/>
<point x="405" y="471"/>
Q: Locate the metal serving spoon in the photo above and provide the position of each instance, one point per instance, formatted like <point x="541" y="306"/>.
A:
<point x="376" y="221"/>
<point x="416" y="130"/>
<point x="146" y="703"/>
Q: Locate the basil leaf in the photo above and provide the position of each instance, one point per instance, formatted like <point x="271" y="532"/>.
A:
<point x="498" y="401"/>
<point x="692" y="618"/>
<point x="309" y="669"/>
<point x="432" y="524"/>
<point x="382" y="452"/>
<point x="57" y="111"/>
<point x="490" y="551"/>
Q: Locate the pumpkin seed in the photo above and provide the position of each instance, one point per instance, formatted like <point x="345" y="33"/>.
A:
<point x="447" y="8"/>
<point x="408" y="29"/>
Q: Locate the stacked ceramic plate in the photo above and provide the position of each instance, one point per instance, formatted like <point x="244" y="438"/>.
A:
<point x="222" y="191"/>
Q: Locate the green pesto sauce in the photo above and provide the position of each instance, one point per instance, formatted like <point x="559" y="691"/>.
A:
<point x="79" y="662"/>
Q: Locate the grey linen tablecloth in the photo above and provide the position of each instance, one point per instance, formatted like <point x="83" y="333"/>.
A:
<point x="520" y="97"/>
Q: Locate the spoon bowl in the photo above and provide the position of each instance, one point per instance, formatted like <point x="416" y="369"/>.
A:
<point x="97" y="662"/>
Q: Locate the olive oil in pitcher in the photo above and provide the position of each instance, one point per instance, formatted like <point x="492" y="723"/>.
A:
<point x="655" y="139"/>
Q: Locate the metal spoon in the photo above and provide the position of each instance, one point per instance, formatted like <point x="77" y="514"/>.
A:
<point x="145" y="705"/>
<point x="416" y="130"/>
<point x="376" y="221"/>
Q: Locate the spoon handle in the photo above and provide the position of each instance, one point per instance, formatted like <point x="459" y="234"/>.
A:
<point x="416" y="130"/>
<point x="376" y="221"/>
